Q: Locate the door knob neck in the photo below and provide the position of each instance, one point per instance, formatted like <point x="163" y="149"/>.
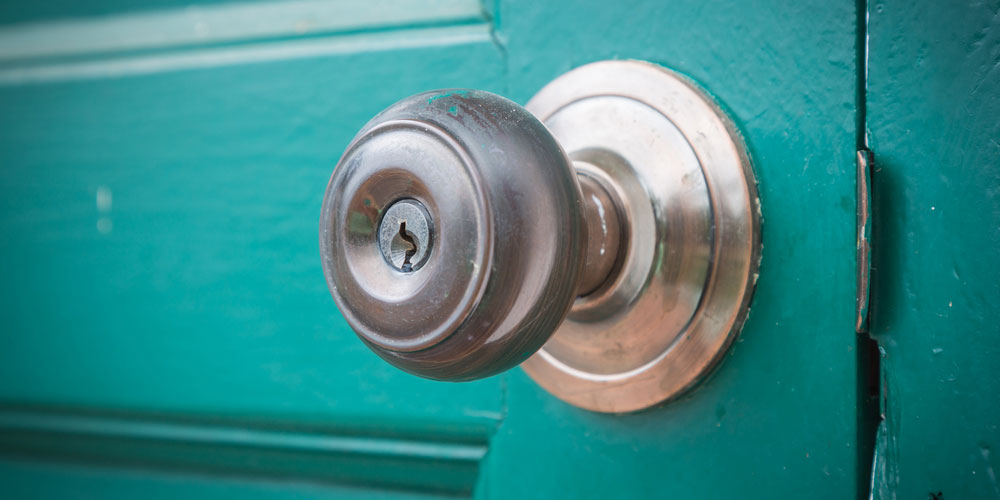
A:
<point x="605" y="230"/>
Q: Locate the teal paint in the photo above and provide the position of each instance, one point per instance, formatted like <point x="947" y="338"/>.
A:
<point x="445" y="95"/>
<point x="25" y="479"/>
<point x="204" y="295"/>
<point x="781" y="410"/>
<point x="202" y="298"/>
<point x="436" y="457"/>
<point x="231" y="23"/>
<point x="933" y="103"/>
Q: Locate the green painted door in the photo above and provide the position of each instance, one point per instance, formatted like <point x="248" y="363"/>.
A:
<point x="167" y="331"/>
<point x="933" y="112"/>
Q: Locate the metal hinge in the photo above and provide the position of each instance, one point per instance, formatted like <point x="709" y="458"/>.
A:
<point x="864" y="228"/>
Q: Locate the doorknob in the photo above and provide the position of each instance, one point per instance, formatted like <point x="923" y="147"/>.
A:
<point x="608" y="235"/>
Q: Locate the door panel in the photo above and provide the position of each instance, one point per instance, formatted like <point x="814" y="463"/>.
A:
<point x="780" y="412"/>
<point x="159" y="231"/>
<point x="33" y="480"/>
<point x="163" y="296"/>
<point x="163" y="291"/>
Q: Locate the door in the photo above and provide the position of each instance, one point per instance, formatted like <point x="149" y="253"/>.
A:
<point x="168" y="331"/>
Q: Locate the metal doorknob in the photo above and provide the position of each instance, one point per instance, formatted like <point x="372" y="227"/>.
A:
<point x="457" y="234"/>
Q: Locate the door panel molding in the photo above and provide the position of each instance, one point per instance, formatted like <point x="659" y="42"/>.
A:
<point x="213" y="57"/>
<point x="436" y="457"/>
<point x="202" y="26"/>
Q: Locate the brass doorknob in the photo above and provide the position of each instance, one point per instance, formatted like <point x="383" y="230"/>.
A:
<point x="457" y="234"/>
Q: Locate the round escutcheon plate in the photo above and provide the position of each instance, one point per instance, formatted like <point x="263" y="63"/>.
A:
<point x="691" y="243"/>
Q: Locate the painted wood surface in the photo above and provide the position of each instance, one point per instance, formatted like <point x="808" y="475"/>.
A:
<point x="159" y="203"/>
<point x="160" y="213"/>
<point x="779" y="417"/>
<point x="933" y="108"/>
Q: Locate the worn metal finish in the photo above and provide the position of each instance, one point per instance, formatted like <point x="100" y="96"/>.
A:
<point x="508" y="240"/>
<point x="864" y="229"/>
<point x="690" y="267"/>
<point x="933" y="108"/>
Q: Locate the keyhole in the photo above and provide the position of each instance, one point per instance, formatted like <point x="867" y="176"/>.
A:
<point x="411" y="251"/>
<point x="404" y="235"/>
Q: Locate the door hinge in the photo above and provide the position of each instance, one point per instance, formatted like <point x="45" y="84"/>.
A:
<point x="864" y="228"/>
